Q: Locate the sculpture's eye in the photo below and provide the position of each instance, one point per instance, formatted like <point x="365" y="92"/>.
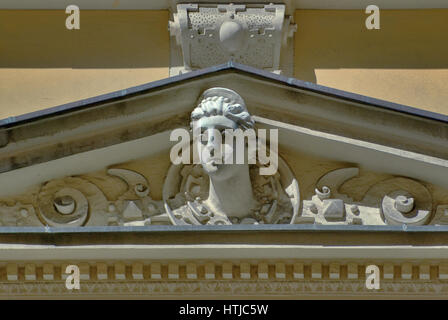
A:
<point x="204" y="136"/>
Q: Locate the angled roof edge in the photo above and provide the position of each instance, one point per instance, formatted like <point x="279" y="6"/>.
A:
<point x="229" y="66"/>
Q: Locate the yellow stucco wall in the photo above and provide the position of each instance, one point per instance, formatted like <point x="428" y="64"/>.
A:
<point x="43" y="64"/>
<point x="406" y="61"/>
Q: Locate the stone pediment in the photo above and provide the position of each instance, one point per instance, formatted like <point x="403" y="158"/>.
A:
<point x="343" y="159"/>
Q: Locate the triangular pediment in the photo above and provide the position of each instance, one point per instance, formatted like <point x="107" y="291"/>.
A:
<point x="344" y="159"/>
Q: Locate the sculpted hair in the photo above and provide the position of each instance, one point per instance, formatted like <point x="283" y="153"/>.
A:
<point x="225" y="102"/>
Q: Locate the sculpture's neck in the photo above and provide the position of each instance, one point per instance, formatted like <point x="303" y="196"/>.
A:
<point x="232" y="197"/>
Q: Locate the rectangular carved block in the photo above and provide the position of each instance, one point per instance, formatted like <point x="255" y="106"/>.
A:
<point x="30" y="272"/>
<point x="424" y="272"/>
<point x="388" y="270"/>
<point x="12" y="272"/>
<point x="263" y="271"/>
<point x="210" y="270"/>
<point x="84" y="271"/>
<point x="173" y="271"/>
<point x="352" y="271"/>
<point x="298" y="272"/>
<point x="191" y="271"/>
<point x="120" y="271"/>
<point x="245" y="270"/>
<point x="156" y="271"/>
<point x="334" y="272"/>
<point x="280" y="271"/>
<point x="406" y="271"/>
<point x="101" y="271"/>
<point x="443" y="271"/>
<point x="316" y="270"/>
<point x="48" y="271"/>
<point x="227" y="270"/>
<point x="137" y="271"/>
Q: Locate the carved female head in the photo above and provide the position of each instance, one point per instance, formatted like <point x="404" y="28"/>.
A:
<point x="223" y="102"/>
<point x="219" y="109"/>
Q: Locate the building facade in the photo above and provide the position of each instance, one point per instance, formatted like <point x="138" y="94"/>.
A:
<point x="353" y="121"/>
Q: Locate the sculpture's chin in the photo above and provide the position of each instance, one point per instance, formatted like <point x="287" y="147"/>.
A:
<point x="210" y="167"/>
<point x="218" y="171"/>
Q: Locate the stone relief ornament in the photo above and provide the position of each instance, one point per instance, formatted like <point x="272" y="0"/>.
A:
<point x="188" y="200"/>
<point x="211" y="34"/>
<point x="404" y="201"/>
<point x="212" y="192"/>
<point x="18" y="215"/>
<point x="395" y="201"/>
<point x="135" y="206"/>
<point x="441" y="217"/>
<point x="327" y="206"/>
<point x="69" y="202"/>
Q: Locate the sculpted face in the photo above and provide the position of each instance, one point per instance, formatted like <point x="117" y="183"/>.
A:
<point x="212" y="147"/>
<point x="219" y="109"/>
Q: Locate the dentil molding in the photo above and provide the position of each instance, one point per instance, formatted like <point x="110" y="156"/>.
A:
<point x="218" y="278"/>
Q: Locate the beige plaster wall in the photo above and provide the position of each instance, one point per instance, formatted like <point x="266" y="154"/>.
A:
<point x="43" y="64"/>
<point x="406" y="61"/>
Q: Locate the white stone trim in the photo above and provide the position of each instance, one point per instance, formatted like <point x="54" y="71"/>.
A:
<point x="158" y="252"/>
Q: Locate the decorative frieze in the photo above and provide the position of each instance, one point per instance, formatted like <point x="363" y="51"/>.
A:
<point x="129" y="270"/>
<point x="291" y="278"/>
<point x="199" y="193"/>
<point x="216" y="288"/>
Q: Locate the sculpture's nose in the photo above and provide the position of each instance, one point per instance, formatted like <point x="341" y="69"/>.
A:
<point x="213" y="141"/>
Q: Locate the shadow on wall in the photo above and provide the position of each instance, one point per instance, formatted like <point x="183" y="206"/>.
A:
<point x="106" y="39"/>
<point x="408" y="39"/>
